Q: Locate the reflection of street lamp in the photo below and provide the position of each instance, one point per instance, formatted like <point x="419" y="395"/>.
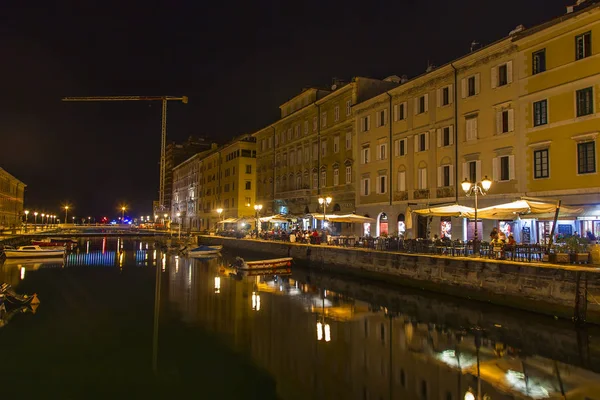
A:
<point x="219" y="211"/>
<point x="476" y="188"/>
<point x="179" y="218"/>
<point x="323" y="328"/>
<point x="469" y="395"/>
<point x="324" y="202"/>
<point x="255" y="301"/>
<point x="257" y="208"/>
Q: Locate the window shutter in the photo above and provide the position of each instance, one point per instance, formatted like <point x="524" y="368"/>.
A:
<point x="478" y="170"/>
<point x="416" y="105"/>
<point x="368" y="122"/>
<point x="465" y="171"/>
<point x="402" y="181"/>
<point x="474" y="129"/>
<point x="426" y="102"/>
<point x="395" y="112"/>
<point x="423" y="178"/>
<point x="509" y="72"/>
<point x="426" y="140"/>
<point x="451" y="175"/>
<point x="396" y="148"/>
<point x="463" y="83"/>
<point x="377" y="186"/>
<point x="439" y="97"/>
<point x="416" y="143"/>
<point x="450" y="94"/>
<point x="494" y="77"/>
<point x="368" y="155"/>
<point x="385" y="116"/>
<point x="405" y="146"/>
<point x="439" y="138"/>
<point x="405" y="109"/>
<point x="495" y="168"/>
<point x="511" y="167"/>
<point x="378" y="155"/>
<point x="451" y="127"/>
<point x="477" y="83"/>
<point x="498" y="121"/>
<point x="511" y="120"/>
<point x="468" y="130"/>
<point x="439" y="181"/>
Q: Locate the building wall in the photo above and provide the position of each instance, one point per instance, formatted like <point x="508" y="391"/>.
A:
<point x="12" y="192"/>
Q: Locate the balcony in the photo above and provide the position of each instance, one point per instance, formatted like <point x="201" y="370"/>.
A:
<point x="446" y="191"/>
<point x="421" y="194"/>
<point x="401" y="195"/>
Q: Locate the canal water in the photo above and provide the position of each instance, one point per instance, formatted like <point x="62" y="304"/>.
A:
<point x="298" y="334"/>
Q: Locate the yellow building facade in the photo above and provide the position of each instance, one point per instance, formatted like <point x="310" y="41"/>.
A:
<point x="223" y="178"/>
<point x="12" y="193"/>
<point x="559" y="97"/>
<point x="309" y="152"/>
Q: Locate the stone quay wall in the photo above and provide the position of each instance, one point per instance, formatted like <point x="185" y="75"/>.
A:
<point x="564" y="291"/>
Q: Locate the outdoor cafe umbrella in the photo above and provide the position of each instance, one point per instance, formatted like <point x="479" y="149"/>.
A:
<point x="349" y="218"/>
<point x="228" y="221"/>
<point x="453" y="210"/>
<point x="528" y="209"/>
<point x="274" y="218"/>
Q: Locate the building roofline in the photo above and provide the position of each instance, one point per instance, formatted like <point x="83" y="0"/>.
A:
<point x="3" y="171"/>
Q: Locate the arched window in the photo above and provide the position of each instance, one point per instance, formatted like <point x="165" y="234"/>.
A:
<point x="336" y="207"/>
<point x="382" y="224"/>
<point x="401" y="224"/>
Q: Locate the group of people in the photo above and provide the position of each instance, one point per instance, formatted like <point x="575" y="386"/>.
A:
<point x="498" y="240"/>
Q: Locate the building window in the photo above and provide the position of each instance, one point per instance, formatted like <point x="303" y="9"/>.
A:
<point x="248" y="169"/>
<point x="586" y="158"/>
<point x="422" y="142"/>
<point x="401" y="147"/>
<point x="381" y="117"/>
<point x="336" y="177"/>
<point x="402" y="181"/>
<point x="248" y="185"/>
<point x="504" y="121"/>
<point x="422" y="104"/>
<point x="366" y="182"/>
<point x="348" y="174"/>
<point x="315" y="151"/>
<point x="336" y="113"/>
<point x="315" y="122"/>
<point x="446" y="138"/>
<point x="348" y="140"/>
<point x="365" y="123"/>
<point x="306" y="127"/>
<point x="366" y="155"/>
<point x="445" y="96"/>
<point x="585" y="101"/>
<point x="324" y="148"/>
<point x="323" y="178"/>
<point x="336" y="144"/>
<point x="422" y="178"/>
<point x="504" y="168"/>
<point x="472" y="171"/>
<point x="297" y="131"/>
<point x="298" y="182"/>
<point x="292" y="159"/>
<point x="382" y="184"/>
<point x="445" y="176"/>
<point x="324" y="119"/>
<point x="289" y="134"/>
<point x="471" y="130"/>
<point x="315" y="180"/>
<point x="502" y="75"/>
<point x="471" y="87"/>
<point x="382" y="151"/>
<point x="348" y="107"/>
<point x="299" y="156"/>
<point x="541" y="164"/>
<point x="583" y="45"/>
<point x="538" y="62"/>
<point x="540" y="112"/>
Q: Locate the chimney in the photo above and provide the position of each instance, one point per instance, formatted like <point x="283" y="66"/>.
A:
<point x="403" y="79"/>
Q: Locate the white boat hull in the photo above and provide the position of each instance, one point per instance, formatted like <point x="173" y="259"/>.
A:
<point x="34" y="253"/>
<point x="203" y="253"/>
<point x="266" y="264"/>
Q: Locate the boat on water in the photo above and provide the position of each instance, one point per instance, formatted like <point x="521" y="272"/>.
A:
<point x="271" y="264"/>
<point x="70" y="244"/>
<point x="8" y="295"/>
<point x="33" y="251"/>
<point x="203" y="251"/>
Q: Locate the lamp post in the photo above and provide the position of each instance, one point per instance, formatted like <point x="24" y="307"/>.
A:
<point x="123" y="213"/>
<point x="179" y="230"/>
<point x="324" y="202"/>
<point x="476" y="188"/>
<point x="26" y="215"/>
<point x="43" y="215"/>
<point x="73" y="218"/>
<point x="219" y="211"/>
<point x="257" y="208"/>
<point x="35" y="214"/>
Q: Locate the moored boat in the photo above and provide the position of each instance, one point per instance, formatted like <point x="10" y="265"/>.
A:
<point x="274" y="263"/>
<point x="33" y="251"/>
<point x="70" y="244"/>
<point x="202" y="251"/>
<point x="12" y="297"/>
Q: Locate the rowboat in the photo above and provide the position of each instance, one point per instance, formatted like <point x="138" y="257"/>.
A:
<point x="274" y="263"/>
<point x="33" y="251"/>
<point x="202" y="251"/>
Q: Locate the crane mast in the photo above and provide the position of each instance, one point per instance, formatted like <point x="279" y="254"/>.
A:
<point x="163" y="136"/>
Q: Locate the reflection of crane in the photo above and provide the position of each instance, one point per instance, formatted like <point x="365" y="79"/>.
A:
<point x="163" y="139"/>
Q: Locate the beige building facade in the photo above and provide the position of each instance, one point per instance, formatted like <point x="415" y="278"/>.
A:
<point x="12" y="194"/>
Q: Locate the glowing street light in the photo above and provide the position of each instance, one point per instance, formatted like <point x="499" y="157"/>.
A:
<point x="257" y="208"/>
<point x="325" y="202"/>
<point x="179" y="218"/>
<point x="35" y="214"/>
<point x="66" y="213"/>
<point x="123" y="208"/>
<point x="476" y="188"/>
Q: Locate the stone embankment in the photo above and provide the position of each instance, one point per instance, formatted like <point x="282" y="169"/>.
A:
<point x="564" y="291"/>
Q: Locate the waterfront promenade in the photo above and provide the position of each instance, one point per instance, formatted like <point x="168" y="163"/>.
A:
<point x="566" y="291"/>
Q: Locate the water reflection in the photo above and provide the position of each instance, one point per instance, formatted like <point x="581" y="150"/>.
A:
<point x="320" y="342"/>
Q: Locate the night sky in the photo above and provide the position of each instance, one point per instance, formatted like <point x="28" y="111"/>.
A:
<point x="237" y="61"/>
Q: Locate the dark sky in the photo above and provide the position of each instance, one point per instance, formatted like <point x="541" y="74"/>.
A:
<point x="236" y="60"/>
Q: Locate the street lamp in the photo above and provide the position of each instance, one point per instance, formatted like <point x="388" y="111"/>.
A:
<point x="26" y="215"/>
<point x="123" y="213"/>
<point x="476" y="188"/>
<point x="43" y="215"/>
<point x="73" y="218"/>
<point x="257" y="208"/>
<point x="219" y="211"/>
<point x="179" y="218"/>
<point x="324" y="202"/>
<point x="35" y="214"/>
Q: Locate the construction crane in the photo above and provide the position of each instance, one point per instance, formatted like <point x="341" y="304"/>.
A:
<point x="163" y="137"/>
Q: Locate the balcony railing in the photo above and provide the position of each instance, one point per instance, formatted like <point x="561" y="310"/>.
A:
<point x="400" y="195"/>
<point x="446" y="191"/>
<point x="421" y="194"/>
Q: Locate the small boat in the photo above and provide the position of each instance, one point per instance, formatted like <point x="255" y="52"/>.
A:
<point x="274" y="263"/>
<point x="33" y="251"/>
<point x="218" y="247"/>
<point x="10" y="296"/>
<point x="70" y="244"/>
<point x="202" y="251"/>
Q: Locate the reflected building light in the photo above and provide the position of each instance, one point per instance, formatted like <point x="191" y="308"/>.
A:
<point x="189" y="276"/>
<point x="281" y="288"/>
<point x="140" y="245"/>
<point x="22" y="273"/>
<point x="319" y="331"/>
<point x="87" y="247"/>
<point x="146" y="256"/>
<point x="103" y="245"/>
<point x="146" y="246"/>
<point x="176" y="264"/>
<point x="164" y="262"/>
<point x="469" y="395"/>
<point x="218" y="285"/>
<point x="327" y="333"/>
<point x="121" y="259"/>
<point x="255" y="301"/>
<point x="531" y="388"/>
<point x="154" y="257"/>
<point x="296" y="285"/>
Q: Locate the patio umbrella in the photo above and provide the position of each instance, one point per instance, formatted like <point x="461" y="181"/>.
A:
<point x="528" y="208"/>
<point x="350" y="218"/>
<point x="453" y="210"/>
<point x="228" y="221"/>
<point x="274" y="218"/>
